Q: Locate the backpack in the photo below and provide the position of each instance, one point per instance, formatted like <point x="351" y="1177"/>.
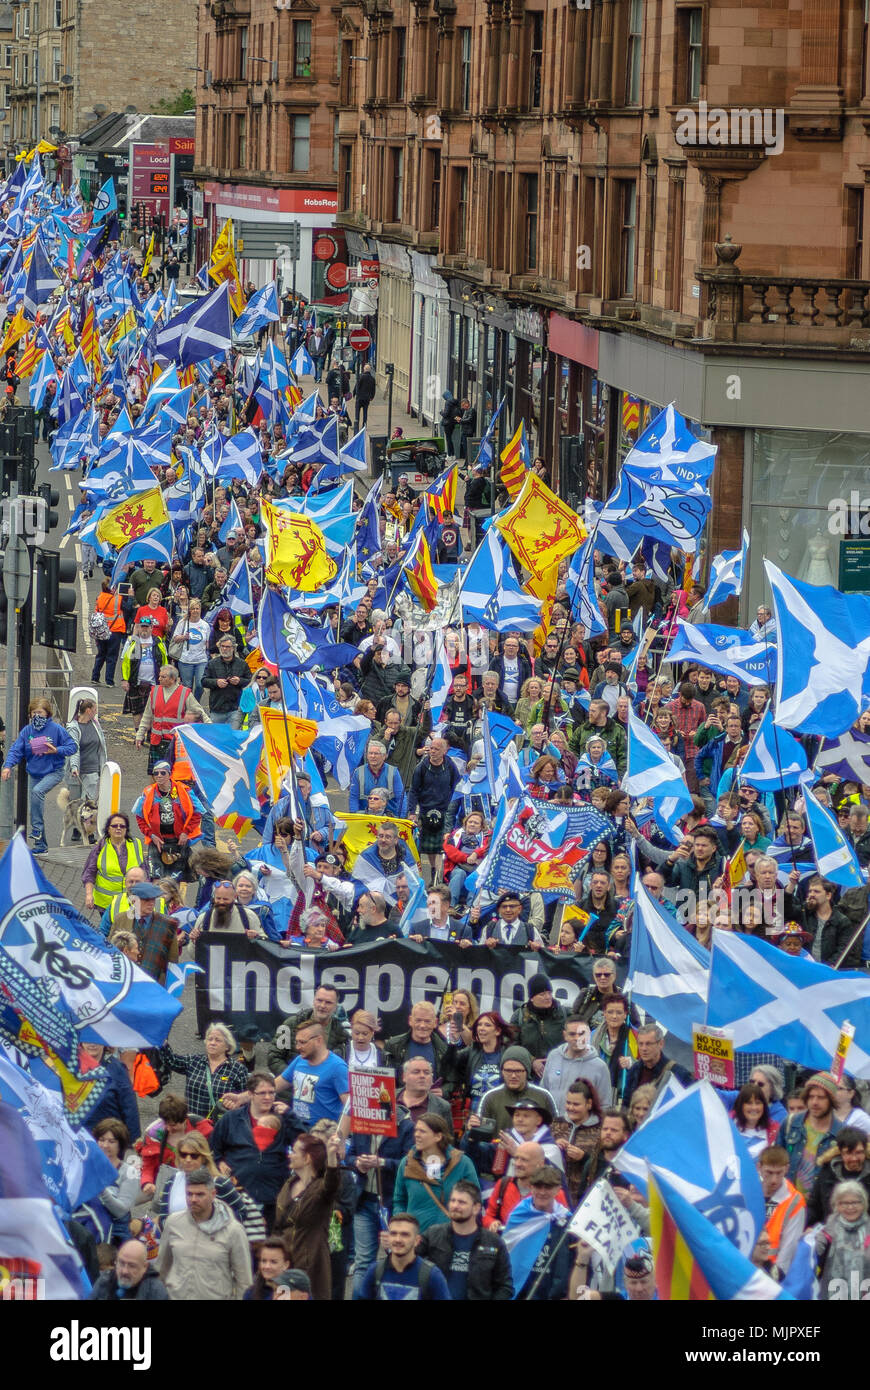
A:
<point x="99" y="627"/>
<point x="361" y="780"/>
<point x="426" y="1268"/>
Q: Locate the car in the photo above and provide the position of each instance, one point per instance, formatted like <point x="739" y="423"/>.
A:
<point x="425" y="454"/>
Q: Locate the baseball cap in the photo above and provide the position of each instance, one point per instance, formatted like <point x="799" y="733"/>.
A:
<point x="294" y="1279"/>
<point x="162" y="766"/>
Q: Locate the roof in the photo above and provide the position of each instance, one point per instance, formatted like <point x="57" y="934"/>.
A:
<point x="114" y="131"/>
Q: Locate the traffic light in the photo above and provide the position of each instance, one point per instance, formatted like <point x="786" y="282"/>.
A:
<point x="294" y="240"/>
<point x="54" y="612"/>
<point x="50" y="499"/>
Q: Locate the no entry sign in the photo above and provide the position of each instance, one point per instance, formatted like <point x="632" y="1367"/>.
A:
<point x="360" y="339"/>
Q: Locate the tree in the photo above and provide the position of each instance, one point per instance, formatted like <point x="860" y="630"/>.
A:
<point x="177" y="106"/>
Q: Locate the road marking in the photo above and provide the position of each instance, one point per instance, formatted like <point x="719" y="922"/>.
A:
<point x="86" y="609"/>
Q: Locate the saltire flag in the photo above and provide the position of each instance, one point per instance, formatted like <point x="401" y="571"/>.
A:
<point x="158" y="545"/>
<point x="353" y="455"/>
<point x="178" y="975"/>
<point x="73" y="1166"/>
<point x="441" y="496"/>
<point x="237" y="594"/>
<point x="164" y="385"/>
<point x="733" y="651"/>
<point x="224" y="763"/>
<point x="232" y="521"/>
<point x="657" y="555"/>
<point x="341" y="742"/>
<point x="693" y="1259"/>
<point x="202" y="277"/>
<point x="199" y="331"/>
<point x="133" y="518"/>
<point x="415" y="912"/>
<point x="491" y="594"/>
<point x="526" y="1233"/>
<point x="68" y="401"/>
<point x="580" y="583"/>
<point x="668" y="968"/>
<point x="367" y="539"/>
<point x="786" y="1004"/>
<point x="241" y="456"/>
<point x="726" y="575"/>
<point x="262" y="308"/>
<point x="113" y="1001"/>
<point x="835" y="855"/>
<point x="662" y="488"/>
<point x="442" y="678"/>
<point x="516" y="461"/>
<point x="170" y="307"/>
<point x="540" y="528"/>
<point x="848" y="756"/>
<point x="823" y="640"/>
<point x="45" y="373"/>
<point x="41" y="281"/>
<point x="417" y="570"/>
<point x="652" y="772"/>
<point x="296" y="555"/>
<point x="301" y="363"/>
<point x="120" y="471"/>
<point x="33" y="1244"/>
<point x="774" y="759"/>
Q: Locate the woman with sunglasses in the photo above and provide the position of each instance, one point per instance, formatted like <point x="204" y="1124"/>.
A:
<point x="113" y="854"/>
<point x="170" y="1188"/>
<point x="256" y="692"/>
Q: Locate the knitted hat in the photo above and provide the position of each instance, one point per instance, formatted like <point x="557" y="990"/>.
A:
<point x="825" y="1081"/>
<point x="515" y="1053"/>
<point x="539" y="984"/>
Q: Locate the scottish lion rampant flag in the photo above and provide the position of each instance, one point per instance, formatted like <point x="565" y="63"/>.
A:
<point x="111" y="1000"/>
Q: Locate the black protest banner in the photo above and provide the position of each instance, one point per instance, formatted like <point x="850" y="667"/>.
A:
<point x="258" y="983"/>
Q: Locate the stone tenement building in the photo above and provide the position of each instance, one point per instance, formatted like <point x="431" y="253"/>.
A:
<point x="595" y="209"/>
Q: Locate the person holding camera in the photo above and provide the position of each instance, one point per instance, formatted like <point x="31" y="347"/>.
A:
<point x="429" y="796"/>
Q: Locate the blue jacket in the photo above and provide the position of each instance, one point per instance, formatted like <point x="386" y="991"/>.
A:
<point x="391" y="1150"/>
<point x="364" y="779"/>
<point x="118" y="1101"/>
<point x="711" y="755"/>
<point x="41" y="764"/>
<point x="262" y="1173"/>
<point x="792" y="1136"/>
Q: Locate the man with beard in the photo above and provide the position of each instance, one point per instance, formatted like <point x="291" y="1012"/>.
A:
<point x="226" y="914"/>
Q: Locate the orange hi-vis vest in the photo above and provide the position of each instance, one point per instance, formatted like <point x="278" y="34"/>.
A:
<point x="181" y="767"/>
<point x="783" y="1212"/>
<point x="167" y="714"/>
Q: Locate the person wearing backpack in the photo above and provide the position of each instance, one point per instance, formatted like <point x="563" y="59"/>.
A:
<point x="108" y="627"/>
<point x="474" y="1261"/>
<point x="401" y="1274"/>
<point x="377" y="772"/>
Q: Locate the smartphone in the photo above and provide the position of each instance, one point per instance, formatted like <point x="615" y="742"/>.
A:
<point x="125" y="590"/>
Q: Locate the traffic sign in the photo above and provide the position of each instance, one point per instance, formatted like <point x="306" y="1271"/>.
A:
<point x="16" y="572"/>
<point x="360" y="339"/>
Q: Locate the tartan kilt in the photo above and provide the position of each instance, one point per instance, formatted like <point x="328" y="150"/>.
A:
<point x="429" y="839"/>
<point x="134" y="700"/>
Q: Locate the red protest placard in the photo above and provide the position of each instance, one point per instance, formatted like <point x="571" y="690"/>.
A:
<point x="373" y="1101"/>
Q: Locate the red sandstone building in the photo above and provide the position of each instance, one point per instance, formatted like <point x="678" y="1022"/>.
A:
<point x="597" y="210"/>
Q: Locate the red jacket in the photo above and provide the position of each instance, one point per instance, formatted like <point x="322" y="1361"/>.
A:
<point x="457" y="857"/>
<point x="153" y="1149"/>
<point x="504" y="1197"/>
<point x="187" y="819"/>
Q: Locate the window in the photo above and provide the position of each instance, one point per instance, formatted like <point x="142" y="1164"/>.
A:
<point x="55" y="65"/>
<point x="25" y="69"/>
<point x="54" y="114"/>
<point x="676" y="232"/>
<point x="25" y="24"/>
<point x="397" y="184"/>
<point x="7" y="134"/>
<point x="243" y="53"/>
<point x="854" y="233"/>
<point x="435" y="191"/>
<point x="301" y="148"/>
<point x="335" y="145"/>
<point x="34" y="21"/>
<point x="690" y="39"/>
<point x="302" y="47"/>
<point x="33" y="130"/>
<point x="399" y="46"/>
<point x="460" y="200"/>
<point x="58" y="13"/>
<point x="627" y="203"/>
<point x="635" y="48"/>
<point x="15" y="71"/>
<point x="7" y="54"/>
<point x="345" y="176"/>
<point x="7" y="95"/>
<point x="465" y="69"/>
<point x="530" y="226"/>
<point x="345" y="77"/>
<point x="241" y="142"/>
<point x="536" y="59"/>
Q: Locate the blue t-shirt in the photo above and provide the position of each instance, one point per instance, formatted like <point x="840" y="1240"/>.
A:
<point x="424" y="1050"/>
<point x="317" y="1089"/>
<point x="404" y="1285"/>
<point x="457" y="1274"/>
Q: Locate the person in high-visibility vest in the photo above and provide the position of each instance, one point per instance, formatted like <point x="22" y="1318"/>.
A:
<point x="786" y="1214"/>
<point x="113" y="854"/>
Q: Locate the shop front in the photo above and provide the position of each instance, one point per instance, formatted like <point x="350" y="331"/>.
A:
<point x="395" y="315"/>
<point x="431" y="329"/>
<point x="262" y="218"/>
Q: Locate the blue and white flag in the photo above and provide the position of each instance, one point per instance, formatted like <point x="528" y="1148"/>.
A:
<point x="114" y="1001"/>
<point x="662" y="489"/>
<point x="785" y="1004"/>
<point x="166" y="385"/>
<point x="45" y="372"/>
<point x="261" y="309"/>
<point x="416" y="911"/>
<point x="580" y="583"/>
<point x="178" y="975"/>
<point x="774" y="759"/>
<point x="848" y="756"/>
<point x="823" y="638"/>
<point x="693" y="1143"/>
<point x="293" y="645"/>
<point x="668" y="968"/>
<point x="484" y="453"/>
<point x="120" y="471"/>
<point x="224" y="763"/>
<point x="301" y="363"/>
<point x="726" y="575"/>
<point x="30" y="1230"/>
<point x="317" y="444"/>
<point x="525" y="1235"/>
<point x="733" y="651"/>
<point x="442" y="678"/>
<point x="237" y="594"/>
<point x="652" y="772"/>
<point x="353" y="455"/>
<point x="232" y="521"/>
<point x="242" y="457"/>
<point x="835" y="855"/>
<point x="341" y="742"/>
<point x="729" y="1272"/>
<point x="158" y="545"/>
<point x="491" y="594"/>
<point x="73" y="1166"/>
<point x="323" y="507"/>
<point x="199" y="331"/>
<point x="41" y="281"/>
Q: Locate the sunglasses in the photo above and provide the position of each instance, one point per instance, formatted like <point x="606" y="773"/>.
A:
<point x="224" y="883"/>
<point x="189" y="1153"/>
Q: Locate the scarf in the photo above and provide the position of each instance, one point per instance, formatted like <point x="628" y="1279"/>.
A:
<point x="848" y="1248"/>
<point x="38" y="722"/>
<point x="219" y="1218"/>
